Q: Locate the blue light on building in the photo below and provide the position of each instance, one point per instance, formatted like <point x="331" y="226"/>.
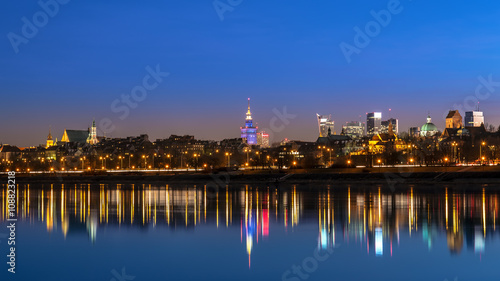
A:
<point x="249" y="132"/>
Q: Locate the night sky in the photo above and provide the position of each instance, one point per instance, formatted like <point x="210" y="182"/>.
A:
<point x="427" y="58"/>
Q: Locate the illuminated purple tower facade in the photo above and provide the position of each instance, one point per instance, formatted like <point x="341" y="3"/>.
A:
<point x="249" y="132"/>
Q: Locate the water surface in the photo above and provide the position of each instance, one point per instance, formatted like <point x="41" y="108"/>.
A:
<point x="253" y="232"/>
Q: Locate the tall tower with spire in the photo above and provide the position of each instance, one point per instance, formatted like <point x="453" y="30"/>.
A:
<point x="92" y="139"/>
<point x="249" y="132"/>
<point x="50" y="141"/>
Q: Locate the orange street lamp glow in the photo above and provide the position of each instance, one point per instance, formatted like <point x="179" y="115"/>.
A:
<point x="348" y="161"/>
<point x="446" y="159"/>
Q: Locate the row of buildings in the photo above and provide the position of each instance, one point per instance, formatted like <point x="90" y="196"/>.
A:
<point x="375" y="125"/>
<point x="377" y="141"/>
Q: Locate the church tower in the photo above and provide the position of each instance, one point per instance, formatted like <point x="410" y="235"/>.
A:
<point x="92" y="139"/>
<point x="50" y="141"/>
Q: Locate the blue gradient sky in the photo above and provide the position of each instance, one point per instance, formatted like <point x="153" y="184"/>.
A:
<point x="279" y="53"/>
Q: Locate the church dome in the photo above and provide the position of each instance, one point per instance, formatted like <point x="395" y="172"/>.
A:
<point x="428" y="129"/>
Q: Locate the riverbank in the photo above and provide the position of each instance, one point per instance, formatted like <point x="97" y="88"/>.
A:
<point x="382" y="175"/>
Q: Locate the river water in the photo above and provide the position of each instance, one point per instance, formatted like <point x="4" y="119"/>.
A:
<point x="252" y="232"/>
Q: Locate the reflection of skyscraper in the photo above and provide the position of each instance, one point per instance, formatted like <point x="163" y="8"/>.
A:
<point x="249" y="132"/>
<point x="325" y="124"/>
<point x="379" y="242"/>
<point x="474" y="118"/>
<point x="373" y="123"/>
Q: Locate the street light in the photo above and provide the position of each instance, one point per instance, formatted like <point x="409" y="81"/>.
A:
<point x="196" y="162"/>
<point x="228" y="158"/>
<point x="481" y="151"/>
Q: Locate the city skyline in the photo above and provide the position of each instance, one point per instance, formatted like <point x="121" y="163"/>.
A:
<point x="300" y="66"/>
<point x="99" y="132"/>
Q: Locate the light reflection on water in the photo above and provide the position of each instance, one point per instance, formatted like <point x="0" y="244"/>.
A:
<point x="370" y="221"/>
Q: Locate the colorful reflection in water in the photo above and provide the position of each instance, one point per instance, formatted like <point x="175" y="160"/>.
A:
<point x="374" y="220"/>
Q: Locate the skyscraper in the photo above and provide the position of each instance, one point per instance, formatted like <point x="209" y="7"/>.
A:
<point x="354" y="129"/>
<point x="373" y="123"/>
<point x="474" y="118"/>
<point x="263" y="139"/>
<point x="249" y="132"/>
<point x="324" y="123"/>
<point x="385" y="126"/>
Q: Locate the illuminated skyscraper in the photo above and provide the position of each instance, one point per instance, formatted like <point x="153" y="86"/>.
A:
<point x="324" y="123"/>
<point x="385" y="126"/>
<point x="354" y="129"/>
<point x="249" y="132"/>
<point x="474" y="118"/>
<point x="373" y="123"/>
<point x="263" y="139"/>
